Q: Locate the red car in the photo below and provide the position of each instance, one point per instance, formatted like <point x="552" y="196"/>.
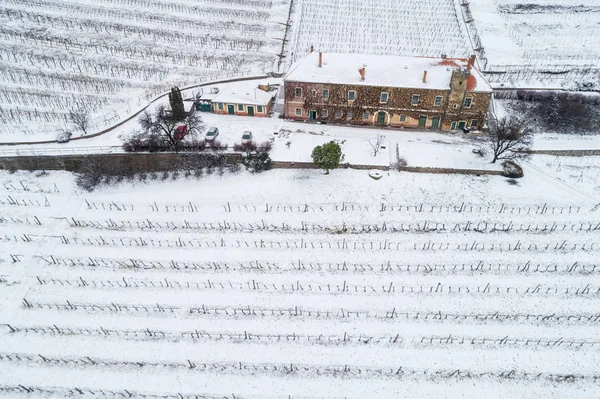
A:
<point x="180" y="132"/>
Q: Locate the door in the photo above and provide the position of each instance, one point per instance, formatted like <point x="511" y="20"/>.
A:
<point x="435" y="123"/>
<point x="250" y="111"/>
<point x="312" y="115"/>
<point x="462" y="125"/>
<point x="381" y="118"/>
<point x="422" y="121"/>
<point x="230" y="109"/>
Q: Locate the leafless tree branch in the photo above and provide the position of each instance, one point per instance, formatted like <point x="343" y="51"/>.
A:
<point x="509" y="138"/>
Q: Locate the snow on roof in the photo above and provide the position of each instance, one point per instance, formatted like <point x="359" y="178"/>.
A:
<point x="208" y="96"/>
<point x="383" y="70"/>
<point x="242" y="95"/>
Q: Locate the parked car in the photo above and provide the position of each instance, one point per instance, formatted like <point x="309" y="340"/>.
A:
<point x="180" y="132"/>
<point x="212" y="133"/>
<point x="246" y="136"/>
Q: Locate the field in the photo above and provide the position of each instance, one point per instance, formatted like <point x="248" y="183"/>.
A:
<point x="547" y="43"/>
<point x="110" y="57"/>
<point x="291" y="284"/>
<point x="424" y="28"/>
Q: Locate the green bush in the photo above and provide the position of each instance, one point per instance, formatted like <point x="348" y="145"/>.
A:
<point x="257" y="162"/>
<point x="327" y="156"/>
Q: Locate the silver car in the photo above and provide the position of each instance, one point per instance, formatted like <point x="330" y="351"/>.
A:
<point x="212" y="133"/>
<point x="246" y="136"/>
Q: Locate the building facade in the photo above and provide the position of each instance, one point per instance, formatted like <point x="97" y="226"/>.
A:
<point x="442" y="94"/>
<point x="252" y="102"/>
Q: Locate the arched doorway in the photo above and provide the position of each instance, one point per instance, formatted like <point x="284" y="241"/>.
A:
<point x="381" y="118"/>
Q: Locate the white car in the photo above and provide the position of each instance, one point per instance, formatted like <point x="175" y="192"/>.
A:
<point x="212" y="133"/>
<point x="246" y="137"/>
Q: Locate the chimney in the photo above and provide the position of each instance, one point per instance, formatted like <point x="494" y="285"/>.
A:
<point x="320" y="59"/>
<point x="362" y="72"/>
<point x="424" y="76"/>
<point x="312" y="48"/>
<point x="471" y="62"/>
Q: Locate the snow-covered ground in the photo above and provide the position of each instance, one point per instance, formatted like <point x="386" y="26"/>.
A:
<point x="526" y="38"/>
<point x="292" y="284"/>
<point x="110" y="57"/>
<point x="389" y="27"/>
<point x="548" y="141"/>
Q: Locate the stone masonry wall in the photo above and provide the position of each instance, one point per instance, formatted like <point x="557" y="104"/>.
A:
<point x="140" y="162"/>
<point x="399" y="110"/>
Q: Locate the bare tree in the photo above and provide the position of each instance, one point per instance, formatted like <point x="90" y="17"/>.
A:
<point x="509" y="138"/>
<point x="168" y="128"/>
<point x="376" y="145"/>
<point x="80" y="118"/>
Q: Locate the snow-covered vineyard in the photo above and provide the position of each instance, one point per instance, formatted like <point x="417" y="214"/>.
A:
<point x="294" y="285"/>
<point x="548" y="43"/>
<point x="109" y="57"/>
<point x="528" y="45"/>
<point x="407" y="28"/>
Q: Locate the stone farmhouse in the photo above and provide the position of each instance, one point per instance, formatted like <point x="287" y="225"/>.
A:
<point x="436" y="93"/>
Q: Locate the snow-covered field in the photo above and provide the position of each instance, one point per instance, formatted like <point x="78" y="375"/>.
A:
<point x="390" y="27"/>
<point x="291" y="284"/>
<point x="110" y="57"/>
<point x="524" y="39"/>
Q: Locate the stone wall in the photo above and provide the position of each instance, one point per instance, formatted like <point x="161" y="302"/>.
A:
<point x="157" y="162"/>
<point x="478" y="172"/>
<point x="310" y="165"/>
<point x="141" y="162"/>
<point x="566" y="153"/>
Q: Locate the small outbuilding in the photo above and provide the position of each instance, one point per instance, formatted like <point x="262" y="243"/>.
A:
<point x="240" y="101"/>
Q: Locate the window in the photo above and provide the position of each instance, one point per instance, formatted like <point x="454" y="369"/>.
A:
<point x="438" y="101"/>
<point x="324" y="113"/>
<point x="455" y="106"/>
<point x="383" y="98"/>
<point x="462" y="125"/>
<point x="298" y="91"/>
<point x="474" y="123"/>
<point x="468" y="102"/>
<point x="325" y="94"/>
<point x="453" y="126"/>
<point x="313" y="92"/>
<point x="338" y="114"/>
<point x="365" y="115"/>
<point x="299" y="111"/>
<point x="415" y="99"/>
<point x="241" y="107"/>
<point x="349" y="115"/>
<point x="220" y="106"/>
<point x="402" y="118"/>
<point x="259" y="109"/>
<point x="351" y="95"/>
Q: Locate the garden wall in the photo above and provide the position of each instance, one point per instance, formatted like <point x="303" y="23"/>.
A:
<point x="141" y="162"/>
